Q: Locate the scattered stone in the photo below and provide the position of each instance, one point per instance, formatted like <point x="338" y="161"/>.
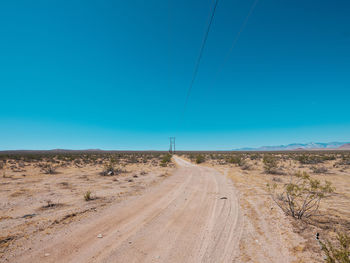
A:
<point x="28" y="216"/>
<point x="99" y="236"/>
<point x="135" y="176"/>
<point x="47" y="254"/>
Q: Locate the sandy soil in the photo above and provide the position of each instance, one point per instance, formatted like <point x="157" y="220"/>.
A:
<point x="268" y="232"/>
<point x="271" y="236"/>
<point x="192" y="216"/>
<point x="36" y="204"/>
<point x="202" y="213"/>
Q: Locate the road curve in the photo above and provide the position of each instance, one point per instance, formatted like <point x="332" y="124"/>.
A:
<point x="192" y="216"/>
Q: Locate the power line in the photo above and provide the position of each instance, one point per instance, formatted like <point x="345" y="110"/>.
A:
<point x="199" y="57"/>
<point x="172" y="149"/>
<point x="237" y="37"/>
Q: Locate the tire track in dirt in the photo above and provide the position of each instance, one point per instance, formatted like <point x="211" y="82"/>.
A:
<point x="183" y="219"/>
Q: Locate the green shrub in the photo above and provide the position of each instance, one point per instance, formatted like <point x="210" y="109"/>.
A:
<point x="270" y="164"/>
<point x="254" y="156"/>
<point x="49" y="168"/>
<point x="319" y="169"/>
<point x="165" y="160"/>
<point x="309" y="159"/>
<point x="200" y="159"/>
<point x="88" y="196"/>
<point x="300" y="197"/>
<point x="339" y="253"/>
<point x="236" y="159"/>
<point x="110" y="169"/>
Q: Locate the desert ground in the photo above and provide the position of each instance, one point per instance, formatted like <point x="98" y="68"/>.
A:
<point x="151" y="207"/>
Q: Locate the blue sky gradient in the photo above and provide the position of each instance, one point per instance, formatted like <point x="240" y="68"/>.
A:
<point x="114" y="74"/>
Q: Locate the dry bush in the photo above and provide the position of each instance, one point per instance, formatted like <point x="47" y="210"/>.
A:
<point x="300" y="197"/>
<point x="271" y="165"/>
<point x="165" y="160"/>
<point x="236" y="159"/>
<point x="254" y="156"/>
<point x="246" y="166"/>
<point x="344" y="161"/>
<point x="49" y="168"/>
<point x="110" y="169"/>
<point x="319" y="169"/>
<point x="200" y="158"/>
<point x="88" y="196"/>
<point x="337" y="253"/>
<point x="310" y="159"/>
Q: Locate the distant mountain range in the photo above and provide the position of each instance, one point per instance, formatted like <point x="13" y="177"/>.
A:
<point x="345" y="146"/>
<point x="301" y="146"/>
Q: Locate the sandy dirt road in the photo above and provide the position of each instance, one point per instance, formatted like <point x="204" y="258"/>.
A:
<point x="192" y="216"/>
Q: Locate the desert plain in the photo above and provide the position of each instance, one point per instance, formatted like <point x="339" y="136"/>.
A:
<point x="156" y="207"/>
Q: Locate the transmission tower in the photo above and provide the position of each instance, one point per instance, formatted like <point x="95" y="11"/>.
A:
<point x="172" y="145"/>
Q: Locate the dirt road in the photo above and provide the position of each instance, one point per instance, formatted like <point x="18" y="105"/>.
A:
<point x="192" y="216"/>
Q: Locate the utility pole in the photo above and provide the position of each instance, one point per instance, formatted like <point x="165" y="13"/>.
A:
<point x="172" y="145"/>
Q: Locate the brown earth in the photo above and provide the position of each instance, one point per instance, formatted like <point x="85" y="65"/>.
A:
<point x="202" y="213"/>
<point x="34" y="204"/>
<point x="265" y="223"/>
<point x="192" y="216"/>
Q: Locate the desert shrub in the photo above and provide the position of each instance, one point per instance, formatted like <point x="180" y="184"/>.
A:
<point x="254" y="156"/>
<point x="319" y="169"/>
<point x="165" y="160"/>
<point x="328" y="157"/>
<point x="300" y="197"/>
<point x="345" y="160"/>
<point x="200" y="158"/>
<point x="309" y="159"/>
<point x="49" y="168"/>
<point x="88" y="195"/>
<point x="192" y="156"/>
<point x="133" y="159"/>
<point x="240" y="161"/>
<point x="236" y="159"/>
<point x="270" y="164"/>
<point x="110" y="169"/>
<point x="337" y="253"/>
<point x="245" y="166"/>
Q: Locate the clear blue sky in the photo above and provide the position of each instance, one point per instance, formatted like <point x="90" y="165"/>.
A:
<point x="114" y="74"/>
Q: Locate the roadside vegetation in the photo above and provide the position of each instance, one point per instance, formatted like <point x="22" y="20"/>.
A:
<point x="338" y="251"/>
<point x="301" y="196"/>
<point x="166" y="160"/>
<point x="311" y="188"/>
<point x="43" y="189"/>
